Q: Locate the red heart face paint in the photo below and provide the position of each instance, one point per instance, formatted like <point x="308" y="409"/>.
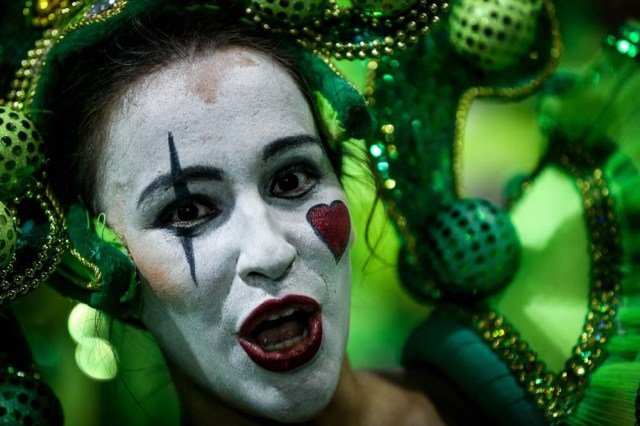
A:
<point x="332" y="225"/>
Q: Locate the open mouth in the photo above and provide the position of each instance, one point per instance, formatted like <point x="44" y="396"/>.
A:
<point x="283" y="334"/>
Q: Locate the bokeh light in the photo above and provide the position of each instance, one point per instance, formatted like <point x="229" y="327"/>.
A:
<point x="94" y="355"/>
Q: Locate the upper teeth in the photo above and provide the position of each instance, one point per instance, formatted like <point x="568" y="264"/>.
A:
<point x="281" y="314"/>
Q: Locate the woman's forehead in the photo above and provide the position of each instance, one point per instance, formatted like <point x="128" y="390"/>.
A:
<point x="203" y="74"/>
<point x="227" y="102"/>
<point x="207" y="75"/>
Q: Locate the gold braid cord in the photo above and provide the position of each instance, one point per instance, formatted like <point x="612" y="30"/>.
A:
<point x="557" y="394"/>
<point x="15" y="279"/>
<point x="509" y="93"/>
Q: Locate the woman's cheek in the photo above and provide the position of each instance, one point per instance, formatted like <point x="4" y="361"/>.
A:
<point x="159" y="268"/>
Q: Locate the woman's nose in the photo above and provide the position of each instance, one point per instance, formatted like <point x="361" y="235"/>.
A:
<point x="265" y="251"/>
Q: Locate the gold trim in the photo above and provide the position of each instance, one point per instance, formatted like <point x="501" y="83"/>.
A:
<point x="398" y="31"/>
<point x="91" y="285"/>
<point x="13" y="284"/>
<point x="327" y="60"/>
<point x="512" y="93"/>
<point x="25" y="83"/>
<point x="54" y="201"/>
<point x="115" y="9"/>
<point x="96" y="284"/>
<point x="558" y="394"/>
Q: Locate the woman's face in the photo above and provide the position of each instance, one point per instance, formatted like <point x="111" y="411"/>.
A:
<point x="214" y="177"/>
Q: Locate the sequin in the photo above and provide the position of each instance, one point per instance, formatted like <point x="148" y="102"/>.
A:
<point x="99" y="7"/>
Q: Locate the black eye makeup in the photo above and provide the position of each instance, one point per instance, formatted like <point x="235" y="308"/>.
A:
<point x="294" y="181"/>
<point x="187" y="214"/>
<point x="291" y="169"/>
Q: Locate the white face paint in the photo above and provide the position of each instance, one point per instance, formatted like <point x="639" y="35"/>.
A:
<point x="219" y="222"/>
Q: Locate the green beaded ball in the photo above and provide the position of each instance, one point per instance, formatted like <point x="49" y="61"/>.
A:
<point x="21" y="151"/>
<point x="26" y="400"/>
<point x="8" y="235"/>
<point x="493" y="34"/>
<point x="383" y="7"/>
<point x="472" y="247"/>
<point x="291" y="11"/>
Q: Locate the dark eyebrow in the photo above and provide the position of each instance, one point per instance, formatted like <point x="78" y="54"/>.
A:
<point x="188" y="174"/>
<point x="286" y="143"/>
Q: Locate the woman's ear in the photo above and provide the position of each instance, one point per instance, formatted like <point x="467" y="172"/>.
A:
<point x="98" y="265"/>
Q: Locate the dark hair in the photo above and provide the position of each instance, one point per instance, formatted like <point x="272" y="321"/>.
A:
<point x="91" y="91"/>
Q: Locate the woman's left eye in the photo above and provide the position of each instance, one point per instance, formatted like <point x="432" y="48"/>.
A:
<point x="293" y="182"/>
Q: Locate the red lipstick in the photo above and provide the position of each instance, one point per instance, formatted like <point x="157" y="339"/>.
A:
<point x="282" y="334"/>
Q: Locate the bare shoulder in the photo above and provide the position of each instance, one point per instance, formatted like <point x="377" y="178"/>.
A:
<point x="423" y="391"/>
<point x="391" y="403"/>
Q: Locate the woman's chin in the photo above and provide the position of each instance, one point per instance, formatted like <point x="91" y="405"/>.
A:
<point x="301" y="411"/>
<point x="294" y="396"/>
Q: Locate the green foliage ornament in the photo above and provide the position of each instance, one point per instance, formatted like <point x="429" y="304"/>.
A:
<point x="21" y="152"/>
<point x="493" y="34"/>
<point x="291" y="11"/>
<point x="8" y="235"/>
<point x="473" y="248"/>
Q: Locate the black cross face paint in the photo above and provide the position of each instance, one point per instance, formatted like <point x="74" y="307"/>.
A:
<point x="181" y="191"/>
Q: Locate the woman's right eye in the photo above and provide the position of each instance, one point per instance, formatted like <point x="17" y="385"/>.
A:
<point x="188" y="213"/>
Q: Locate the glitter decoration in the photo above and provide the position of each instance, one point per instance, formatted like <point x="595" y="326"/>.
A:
<point x="8" y="235"/>
<point x="380" y="8"/>
<point x="472" y="247"/>
<point x="421" y="99"/>
<point x="493" y="34"/>
<point x="21" y="151"/>
<point x="99" y="7"/>
<point x="289" y="11"/>
<point x="557" y="394"/>
<point x="354" y="33"/>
